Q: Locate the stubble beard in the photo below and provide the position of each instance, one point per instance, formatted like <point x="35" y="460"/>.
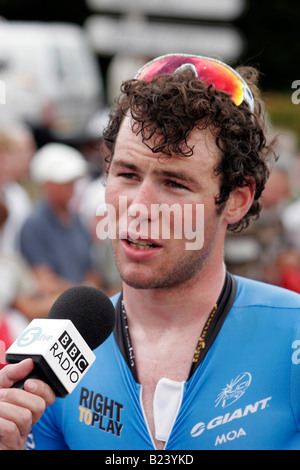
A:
<point x="173" y="275"/>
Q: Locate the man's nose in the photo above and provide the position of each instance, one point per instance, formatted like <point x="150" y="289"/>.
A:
<point x="144" y="198"/>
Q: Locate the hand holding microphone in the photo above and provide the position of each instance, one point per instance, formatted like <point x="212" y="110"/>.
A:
<point x="19" y="410"/>
<point x="57" y="350"/>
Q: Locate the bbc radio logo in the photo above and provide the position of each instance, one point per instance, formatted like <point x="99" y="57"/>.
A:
<point x="73" y="352"/>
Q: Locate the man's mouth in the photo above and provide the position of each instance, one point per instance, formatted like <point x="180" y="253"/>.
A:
<point x="141" y="244"/>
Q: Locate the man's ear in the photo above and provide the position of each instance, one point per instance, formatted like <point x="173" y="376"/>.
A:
<point x="239" y="203"/>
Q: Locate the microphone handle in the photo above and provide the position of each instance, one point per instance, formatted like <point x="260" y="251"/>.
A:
<point x="42" y="372"/>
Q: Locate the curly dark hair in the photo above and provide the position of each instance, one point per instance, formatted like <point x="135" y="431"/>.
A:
<point x="168" y="108"/>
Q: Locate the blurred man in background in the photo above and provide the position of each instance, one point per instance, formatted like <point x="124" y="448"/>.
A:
<point x="53" y="239"/>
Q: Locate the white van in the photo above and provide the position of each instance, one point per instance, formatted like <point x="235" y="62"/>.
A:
<point x="50" y="75"/>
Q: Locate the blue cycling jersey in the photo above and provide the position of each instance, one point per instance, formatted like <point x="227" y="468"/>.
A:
<point x="245" y="394"/>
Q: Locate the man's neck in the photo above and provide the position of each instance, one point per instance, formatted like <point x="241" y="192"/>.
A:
<point x="179" y="306"/>
<point x="165" y="325"/>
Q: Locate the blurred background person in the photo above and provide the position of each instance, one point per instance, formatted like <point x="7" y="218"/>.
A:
<point x="53" y="239"/>
<point x="91" y="198"/>
<point x="288" y="262"/>
<point x="21" y="296"/>
<point x="24" y="149"/>
<point x="254" y="252"/>
<point x="91" y="206"/>
<point x="13" y="194"/>
<point x="11" y="324"/>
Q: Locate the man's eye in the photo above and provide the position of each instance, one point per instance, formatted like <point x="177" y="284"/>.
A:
<point x="127" y="175"/>
<point x="174" y="184"/>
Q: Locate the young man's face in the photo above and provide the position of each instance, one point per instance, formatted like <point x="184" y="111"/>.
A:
<point x="150" y="183"/>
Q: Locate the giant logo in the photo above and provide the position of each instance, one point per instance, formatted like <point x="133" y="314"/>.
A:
<point x="234" y="390"/>
<point x="229" y="395"/>
<point x="199" y="428"/>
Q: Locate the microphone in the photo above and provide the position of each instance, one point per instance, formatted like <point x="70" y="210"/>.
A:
<point x="61" y="345"/>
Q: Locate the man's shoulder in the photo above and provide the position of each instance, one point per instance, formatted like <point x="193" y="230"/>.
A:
<point x="256" y="293"/>
<point x="114" y="298"/>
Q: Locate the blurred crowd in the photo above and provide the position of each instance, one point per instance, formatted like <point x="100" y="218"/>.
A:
<point x="269" y="249"/>
<point x="48" y="204"/>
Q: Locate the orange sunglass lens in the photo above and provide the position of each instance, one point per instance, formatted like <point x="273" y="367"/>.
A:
<point x="209" y="71"/>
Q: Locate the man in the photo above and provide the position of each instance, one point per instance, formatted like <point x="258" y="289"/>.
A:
<point x="53" y="238"/>
<point x="198" y="359"/>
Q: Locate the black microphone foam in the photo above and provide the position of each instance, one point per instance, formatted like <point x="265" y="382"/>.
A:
<point x="89" y="309"/>
<point x="92" y="314"/>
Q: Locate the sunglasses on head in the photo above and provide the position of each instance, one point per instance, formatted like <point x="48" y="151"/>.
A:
<point x="210" y="71"/>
